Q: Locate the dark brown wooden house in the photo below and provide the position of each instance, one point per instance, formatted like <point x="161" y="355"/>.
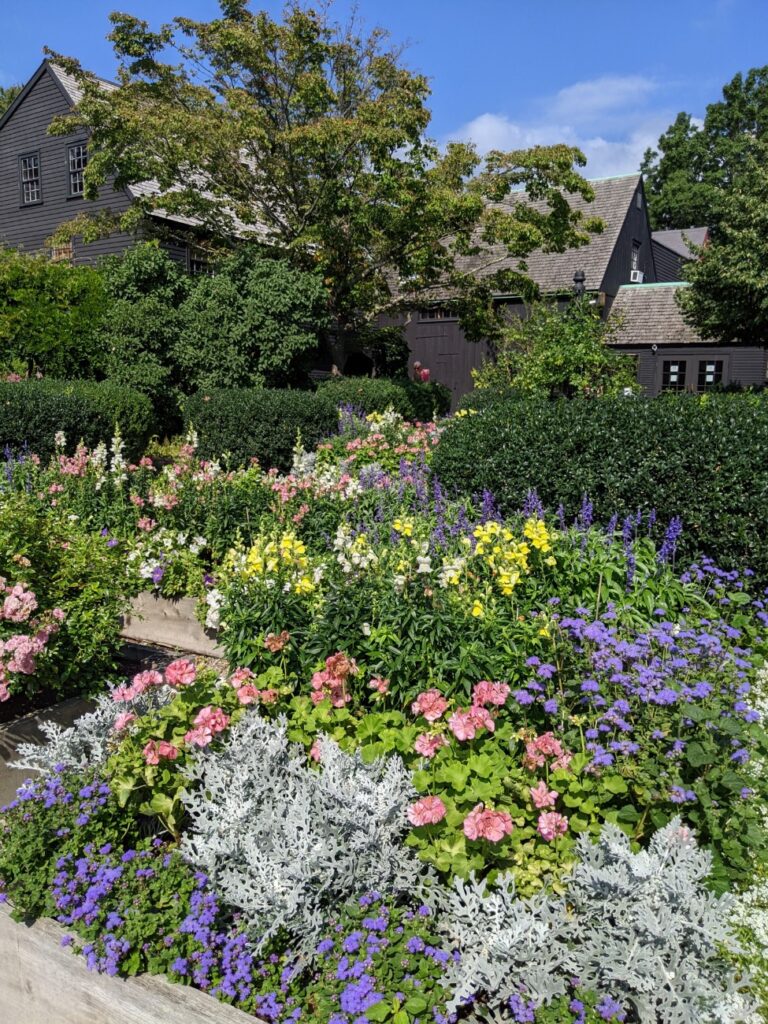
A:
<point x="41" y="177"/>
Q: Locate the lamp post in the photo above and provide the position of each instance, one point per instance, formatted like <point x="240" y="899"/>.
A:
<point x="579" y="284"/>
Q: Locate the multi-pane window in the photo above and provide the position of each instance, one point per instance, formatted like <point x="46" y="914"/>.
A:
<point x="635" y="259"/>
<point x="710" y="373"/>
<point x="673" y="375"/>
<point x="436" y="313"/>
<point x="199" y="263"/>
<point x="29" y="172"/>
<point x="78" y="158"/>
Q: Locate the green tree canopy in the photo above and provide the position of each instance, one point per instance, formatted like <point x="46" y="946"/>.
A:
<point x="313" y="139"/>
<point x="695" y="166"/>
<point x="47" y="314"/>
<point x="8" y="94"/>
<point x="728" y="297"/>
<point x="556" y="353"/>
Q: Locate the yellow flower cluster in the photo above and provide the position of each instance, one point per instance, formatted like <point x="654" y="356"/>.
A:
<point x="284" y="560"/>
<point x="403" y="526"/>
<point x="507" y="557"/>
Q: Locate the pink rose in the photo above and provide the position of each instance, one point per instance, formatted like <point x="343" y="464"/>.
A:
<point x="485" y="823"/>
<point x="430" y="704"/>
<point x="551" y="825"/>
<point x="123" y="720"/>
<point x="428" y="746"/>
<point x="427" y="811"/>
<point x="542" y="796"/>
<point x="180" y="673"/>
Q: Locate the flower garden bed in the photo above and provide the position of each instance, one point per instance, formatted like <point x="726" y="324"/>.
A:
<point x="453" y="766"/>
<point x="43" y="982"/>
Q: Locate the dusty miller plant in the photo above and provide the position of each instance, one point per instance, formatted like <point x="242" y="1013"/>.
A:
<point x="284" y="841"/>
<point x="90" y="739"/>
<point x="640" y="927"/>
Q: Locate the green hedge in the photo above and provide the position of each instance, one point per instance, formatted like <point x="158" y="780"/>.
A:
<point x="32" y="411"/>
<point x="412" y="400"/>
<point x="703" y="459"/>
<point x="246" y="423"/>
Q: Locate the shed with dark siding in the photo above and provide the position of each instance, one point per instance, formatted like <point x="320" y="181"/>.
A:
<point x="671" y="355"/>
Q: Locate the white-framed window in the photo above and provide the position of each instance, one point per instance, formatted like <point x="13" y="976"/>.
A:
<point x="710" y="373"/>
<point x="29" y="179"/>
<point x="673" y="375"/>
<point x="198" y="262"/>
<point x="77" y="158"/>
<point x="62" y="253"/>
<point x="635" y="258"/>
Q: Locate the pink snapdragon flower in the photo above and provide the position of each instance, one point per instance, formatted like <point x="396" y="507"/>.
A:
<point x="431" y="704"/>
<point x="331" y="682"/>
<point x="181" y="672"/>
<point x="485" y="693"/>
<point x="551" y="825"/>
<point x="542" y="796"/>
<point x="428" y="746"/>
<point x="123" y="720"/>
<point x="485" y="823"/>
<point x="316" y="751"/>
<point x="146" y="524"/>
<point x="427" y="811"/>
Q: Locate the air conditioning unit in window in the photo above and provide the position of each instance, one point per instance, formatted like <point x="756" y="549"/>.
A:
<point x="636" y="276"/>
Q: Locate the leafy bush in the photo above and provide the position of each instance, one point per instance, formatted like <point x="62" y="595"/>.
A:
<point x="700" y="458"/>
<point x="32" y="412"/>
<point x="264" y="424"/>
<point x="47" y="314"/>
<point x="63" y="592"/>
<point x="412" y="400"/>
<point x="254" y="323"/>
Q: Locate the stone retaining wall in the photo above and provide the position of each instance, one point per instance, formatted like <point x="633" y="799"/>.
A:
<point x="42" y="983"/>
<point x="157" y="622"/>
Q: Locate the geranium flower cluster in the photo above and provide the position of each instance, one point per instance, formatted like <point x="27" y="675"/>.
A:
<point x="19" y="651"/>
<point x="332" y="682"/>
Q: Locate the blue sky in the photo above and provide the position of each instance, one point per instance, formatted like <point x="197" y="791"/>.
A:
<point x="608" y="75"/>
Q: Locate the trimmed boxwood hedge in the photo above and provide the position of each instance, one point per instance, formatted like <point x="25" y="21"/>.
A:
<point x="411" y="399"/>
<point x="32" y="411"/>
<point x="244" y="423"/>
<point x="704" y="459"/>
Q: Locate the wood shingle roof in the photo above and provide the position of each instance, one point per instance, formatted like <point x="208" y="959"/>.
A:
<point x="651" y="316"/>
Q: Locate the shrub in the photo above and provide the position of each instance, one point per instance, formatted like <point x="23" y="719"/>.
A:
<point x="412" y="400"/>
<point x="246" y="423"/>
<point x="699" y="458"/>
<point x="32" y="412"/>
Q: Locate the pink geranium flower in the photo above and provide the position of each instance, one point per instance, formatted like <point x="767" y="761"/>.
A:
<point x="151" y="753"/>
<point x="465" y="724"/>
<point x="144" y="680"/>
<point x="240" y="676"/>
<point x="379" y="684"/>
<point x="430" y="704"/>
<point x="123" y="720"/>
<point x="199" y="737"/>
<point x="427" y="811"/>
<point x="248" y="693"/>
<point x="146" y="524"/>
<point x="542" y="796"/>
<point x="167" y="750"/>
<point x="490" y="693"/>
<point x="552" y="825"/>
<point x="485" y="823"/>
<point x="180" y="673"/>
<point x="315" y="751"/>
<point x="428" y="746"/>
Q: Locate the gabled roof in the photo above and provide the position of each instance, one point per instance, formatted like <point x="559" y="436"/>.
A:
<point x="651" y="316"/>
<point x="553" y="272"/>
<point x="678" y="240"/>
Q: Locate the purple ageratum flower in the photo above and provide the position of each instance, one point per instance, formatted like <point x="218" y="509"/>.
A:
<point x="610" y="1009"/>
<point x="678" y="795"/>
<point x="523" y="1011"/>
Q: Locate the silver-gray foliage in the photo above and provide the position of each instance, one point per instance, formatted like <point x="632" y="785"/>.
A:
<point x="640" y="927"/>
<point x="285" y="842"/>
<point x="91" y="738"/>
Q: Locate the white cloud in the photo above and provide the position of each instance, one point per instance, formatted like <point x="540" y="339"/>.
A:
<point x="608" y="118"/>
